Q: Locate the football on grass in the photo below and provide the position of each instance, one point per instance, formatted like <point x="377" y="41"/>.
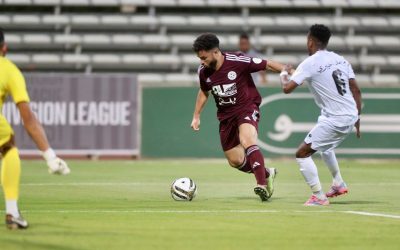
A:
<point x="183" y="189"/>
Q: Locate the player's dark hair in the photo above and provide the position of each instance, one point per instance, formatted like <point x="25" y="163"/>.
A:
<point x="1" y="36"/>
<point x="321" y="33"/>
<point x="244" y="36"/>
<point x="206" y="41"/>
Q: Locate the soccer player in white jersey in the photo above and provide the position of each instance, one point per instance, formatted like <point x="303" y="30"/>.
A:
<point x="332" y="82"/>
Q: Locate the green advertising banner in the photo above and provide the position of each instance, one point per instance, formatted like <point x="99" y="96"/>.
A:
<point x="285" y="121"/>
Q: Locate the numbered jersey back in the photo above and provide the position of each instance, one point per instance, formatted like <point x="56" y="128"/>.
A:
<point x="328" y="75"/>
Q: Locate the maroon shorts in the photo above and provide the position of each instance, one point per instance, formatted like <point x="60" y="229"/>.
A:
<point x="229" y="128"/>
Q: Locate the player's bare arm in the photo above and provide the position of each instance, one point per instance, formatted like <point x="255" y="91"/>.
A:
<point x="201" y="100"/>
<point x="277" y="67"/>
<point x="287" y="85"/>
<point x="32" y="126"/>
<point x="355" y="90"/>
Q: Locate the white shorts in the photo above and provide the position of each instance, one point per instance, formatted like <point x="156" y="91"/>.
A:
<point x="325" y="136"/>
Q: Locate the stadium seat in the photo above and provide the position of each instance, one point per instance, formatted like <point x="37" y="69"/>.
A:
<point x="104" y="2"/>
<point x="106" y="59"/>
<point x="191" y="3"/>
<point x="20" y="59"/>
<point x="48" y="59"/>
<point x="18" y="2"/>
<point x="358" y="41"/>
<point x="299" y="41"/>
<point x="286" y="59"/>
<point x="5" y="20"/>
<point x="155" y="40"/>
<point x="85" y="20"/>
<point x="277" y="3"/>
<point x="362" y="3"/>
<point x="37" y="39"/>
<point x="185" y="41"/>
<point x="162" y="2"/>
<point x="47" y="2"/>
<point x="202" y="21"/>
<point x="67" y="39"/>
<point x="176" y="21"/>
<point x="261" y="21"/>
<point x="249" y="3"/>
<point x="75" y="59"/>
<point x="26" y="20"/>
<point x="336" y="3"/>
<point x="136" y="59"/>
<point x="125" y="40"/>
<point x="190" y="60"/>
<point x="144" y="20"/>
<point x="363" y="80"/>
<point x="387" y="42"/>
<point x="55" y="19"/>
<point x="13" y="39"/>
<point x="346" y="21"/>
<point x="389" y="3"/>
<point x="336" y="42"/>
<point x="96" y="40"/>
<point x="290" y="21"/>
<point x="146" y="78"/>
<point x="113" y="20"/>
<point x="165" y="60"/>
<point x="374" y="22"/>
<point x="134" y="2"/>
<point x="219" y="3"/>
<point x="75" y="2"/>
<point x="272" y="41"/>
<point x="394" y="60"/>
<point x="230" y="21"/>
<point x="180" y="79"/>
<point x="306" y="3"/>
<point x="394" y="21"/>
<point x="372" y="60"/>
<point x="310" y="20"/>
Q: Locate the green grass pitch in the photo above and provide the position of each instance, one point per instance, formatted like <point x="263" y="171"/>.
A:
<point x="127" y="205"/>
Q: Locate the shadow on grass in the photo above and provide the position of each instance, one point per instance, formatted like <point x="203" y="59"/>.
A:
<point x="25" y="244"/>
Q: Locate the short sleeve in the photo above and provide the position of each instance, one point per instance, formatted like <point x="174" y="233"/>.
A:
<point x="351" y="72"/>
<point x="257" y="64"/>
<point x="202" y="81"/>
<point x="302" y="73"/>
<point x="16" y="84"/>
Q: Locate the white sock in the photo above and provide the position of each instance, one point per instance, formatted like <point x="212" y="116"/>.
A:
<point x="12" y="208"/>
<point x="330" y="160"/>
<point x="310" y="173"/>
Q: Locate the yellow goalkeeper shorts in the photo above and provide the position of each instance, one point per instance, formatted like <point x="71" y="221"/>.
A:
<point x="5" y="130"/>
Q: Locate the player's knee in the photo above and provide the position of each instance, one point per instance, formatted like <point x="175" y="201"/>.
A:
<point x="235" y="162"/>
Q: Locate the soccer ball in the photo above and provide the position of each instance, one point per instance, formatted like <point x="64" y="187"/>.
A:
<point x="183" y="189"/>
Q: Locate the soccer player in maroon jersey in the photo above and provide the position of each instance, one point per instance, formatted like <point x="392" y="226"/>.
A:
<point x="228" y="77"/>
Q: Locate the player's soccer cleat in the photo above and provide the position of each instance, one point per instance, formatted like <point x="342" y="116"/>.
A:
<point x="14" y="223"/>
<point x="270" y="182"/>
<point x="337" y="190"/>
<point x="262" y="192"/>
<point x="315" y="201"/>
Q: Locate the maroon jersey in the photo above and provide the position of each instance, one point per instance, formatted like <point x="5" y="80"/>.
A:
<point x="232" y="85"/>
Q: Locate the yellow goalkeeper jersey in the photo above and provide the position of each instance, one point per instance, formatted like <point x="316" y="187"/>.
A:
<point x="12" y="83"/>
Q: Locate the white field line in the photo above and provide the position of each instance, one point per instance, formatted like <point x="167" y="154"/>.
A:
<point x="203" y="184"/>
<point x="363" y="213"/>
<point x="373" y="214"/>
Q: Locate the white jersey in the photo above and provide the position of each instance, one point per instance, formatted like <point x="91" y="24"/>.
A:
<point x="328" y="75"/>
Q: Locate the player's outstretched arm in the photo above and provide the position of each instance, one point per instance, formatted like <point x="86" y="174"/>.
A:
<point x="201" y="100"/>
<point x="355" y="90"/>
<point x="287" y="85"/>
<point x="277" y="67"/>
<point x="36" y="132"/>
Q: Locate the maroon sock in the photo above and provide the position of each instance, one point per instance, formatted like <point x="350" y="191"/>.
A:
<point x="256" y="161"/>
<point x="245" y="167"/>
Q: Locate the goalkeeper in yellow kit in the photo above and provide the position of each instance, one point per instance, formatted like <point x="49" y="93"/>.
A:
<point x="13" y="83"/>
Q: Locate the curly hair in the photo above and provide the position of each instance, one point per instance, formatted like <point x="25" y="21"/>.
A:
<point x="321" y="33"/>
<point x="206" y="41"/>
